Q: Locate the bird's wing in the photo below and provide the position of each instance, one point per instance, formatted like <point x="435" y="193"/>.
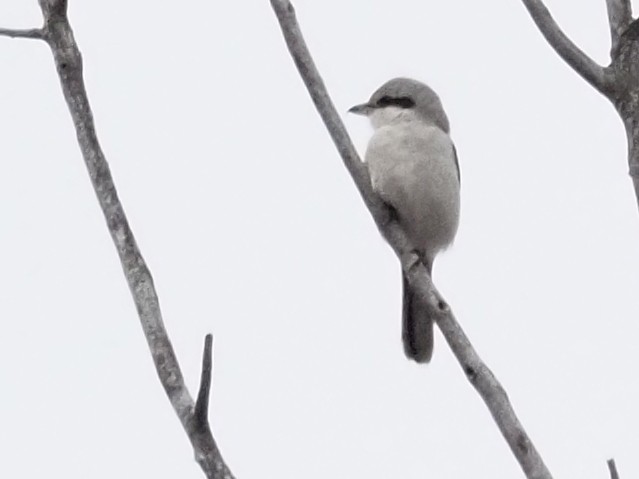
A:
<point x="457" y="164"/>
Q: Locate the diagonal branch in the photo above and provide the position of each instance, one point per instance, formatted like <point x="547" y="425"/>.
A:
<point x="35" y="33"/>
<point x="598" y="76"/>
<point x="612" y="467"/>
<point x="58" y="34"/>
<point x="619" y="18"/>
<point x="476" y="371"/>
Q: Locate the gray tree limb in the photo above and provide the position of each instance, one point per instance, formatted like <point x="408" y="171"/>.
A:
<point x="625" y="96"/>
<point x="201" y="413"/>
<point x="620" y="81"/>
<point x="58" y="35"/>
<point x="35" y="33"/>
<point x="619" y="18"/>
<point x="612" y="468"/>
<point x="592" y="72"/>
<point x="479" y="375"/>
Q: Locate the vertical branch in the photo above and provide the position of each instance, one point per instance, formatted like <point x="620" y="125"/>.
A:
<point x="201" y="413"/>
<point x="479" y="375"/>
<point x="625" y="64"/>
<point x="51" y="8"/>
<point x="619" y="18"/>
<point x="631" y="123"/>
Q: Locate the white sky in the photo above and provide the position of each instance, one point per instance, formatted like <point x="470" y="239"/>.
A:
<point x="254" y="232"/>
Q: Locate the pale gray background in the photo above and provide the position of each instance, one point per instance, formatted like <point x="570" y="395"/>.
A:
<point x="254" y="231"/>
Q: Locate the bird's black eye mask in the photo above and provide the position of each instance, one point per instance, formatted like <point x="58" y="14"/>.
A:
<point x="400" y="101"/>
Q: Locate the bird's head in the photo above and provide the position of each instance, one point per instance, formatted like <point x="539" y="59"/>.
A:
<point x="403" y="98"/>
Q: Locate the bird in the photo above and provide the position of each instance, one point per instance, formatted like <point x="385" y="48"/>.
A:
<point x="413" y="166"/>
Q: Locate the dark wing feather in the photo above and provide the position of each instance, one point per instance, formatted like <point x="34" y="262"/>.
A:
<point x="457" y="164"/>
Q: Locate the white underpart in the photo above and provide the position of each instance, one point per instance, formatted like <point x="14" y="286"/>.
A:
<point x="412" y="167"/>
<point x="390" y="114"/>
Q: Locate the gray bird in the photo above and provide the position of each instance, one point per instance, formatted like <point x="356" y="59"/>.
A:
<point x="414" y="169"/>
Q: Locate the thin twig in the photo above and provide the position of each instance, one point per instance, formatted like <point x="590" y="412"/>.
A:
<point x="612" y="467"/>
<point x="59" y="35"/>
<point x="476" y="371"/>
<point x="619" y="18"/>
<point x="202" y="404"/>
<point x="34" y="33"/>
<point x="599" y="77"/>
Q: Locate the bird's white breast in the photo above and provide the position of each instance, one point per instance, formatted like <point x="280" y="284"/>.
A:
<point x="412" y="167"/>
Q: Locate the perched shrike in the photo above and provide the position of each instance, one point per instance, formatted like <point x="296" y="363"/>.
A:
<point x="414" y="169"/>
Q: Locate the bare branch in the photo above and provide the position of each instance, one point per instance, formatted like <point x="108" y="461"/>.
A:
<point x="34" y="33"/>
<point x="202" y="404"/>
<point x="315" y="86"/>
<point x="323" y="102"/>
<point x="619" y="18"/>
<point x="59" y="35"/>
<point x="53" y="8"/>
<point x="598" y="76"/>
<point x="476" y="371"/>
<point x="612" y="467"/>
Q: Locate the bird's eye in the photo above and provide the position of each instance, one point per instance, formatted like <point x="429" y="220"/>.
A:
<point x="400" y="101"/>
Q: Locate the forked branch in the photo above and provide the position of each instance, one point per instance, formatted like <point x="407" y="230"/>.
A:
<point x="58" y="34"/>
<point x="476" y="371"/>
<point x="620" y="81"/>
<point x="598" y="76"/>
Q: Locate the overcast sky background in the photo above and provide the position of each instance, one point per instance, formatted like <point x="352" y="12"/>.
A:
<point x="254" y="231"/>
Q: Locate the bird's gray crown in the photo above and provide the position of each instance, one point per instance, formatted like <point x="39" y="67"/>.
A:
<point x="408" y="93"/>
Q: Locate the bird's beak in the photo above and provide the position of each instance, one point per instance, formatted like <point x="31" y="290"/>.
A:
<point x="363" y="109"/>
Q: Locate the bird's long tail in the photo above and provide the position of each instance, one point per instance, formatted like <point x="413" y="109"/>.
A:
<point x="417" y="327"/>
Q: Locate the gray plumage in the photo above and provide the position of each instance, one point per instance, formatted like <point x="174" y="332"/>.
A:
<point x="413" y="166"/>
<point x="427" y="103"/>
